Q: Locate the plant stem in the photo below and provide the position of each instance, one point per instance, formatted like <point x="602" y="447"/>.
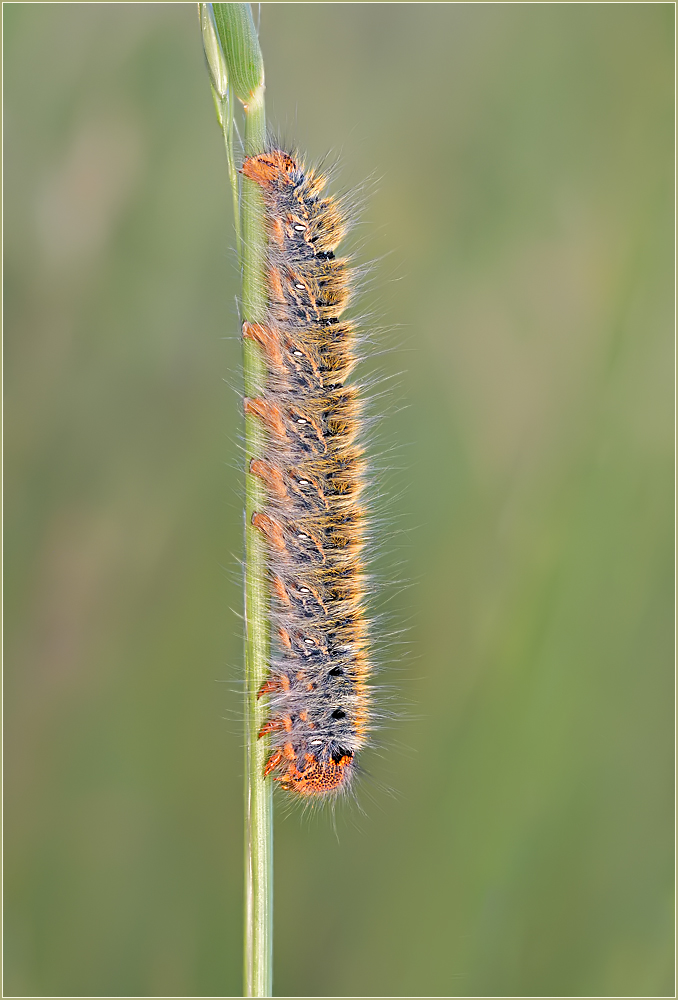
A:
<point x="233" y="55"/>
<point x="259" y="805"/>
<point x="223" y="104"/>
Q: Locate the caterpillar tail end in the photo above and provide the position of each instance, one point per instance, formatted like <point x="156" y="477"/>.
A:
<point x="316" y="778"/>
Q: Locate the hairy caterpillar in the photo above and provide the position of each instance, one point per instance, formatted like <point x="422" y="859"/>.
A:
<point x="314" y="472"/>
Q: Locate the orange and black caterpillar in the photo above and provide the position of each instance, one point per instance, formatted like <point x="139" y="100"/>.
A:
<point x="314" y="471"/>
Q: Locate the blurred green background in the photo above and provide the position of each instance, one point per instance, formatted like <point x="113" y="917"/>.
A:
<point x="515" y="836"/>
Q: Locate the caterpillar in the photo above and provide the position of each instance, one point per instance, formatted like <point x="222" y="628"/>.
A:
<point x="314" y="471"/>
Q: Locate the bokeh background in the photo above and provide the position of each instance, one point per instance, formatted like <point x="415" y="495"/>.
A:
<point x="514" y="830"/>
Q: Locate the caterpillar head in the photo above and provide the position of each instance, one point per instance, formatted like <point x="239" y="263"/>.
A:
<point x="288" y="185"/>
<point x="271" y="170"/>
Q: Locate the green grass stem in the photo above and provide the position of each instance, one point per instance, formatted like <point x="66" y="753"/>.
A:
<point x="236" y="67"/>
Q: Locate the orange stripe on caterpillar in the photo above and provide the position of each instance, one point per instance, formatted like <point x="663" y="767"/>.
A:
<point x="268" y="412"/>
<point x="270" y="475"/>
<point x="274" y="684"/>
<point x="271" y="529"/>
<point x="283" y="724"/>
